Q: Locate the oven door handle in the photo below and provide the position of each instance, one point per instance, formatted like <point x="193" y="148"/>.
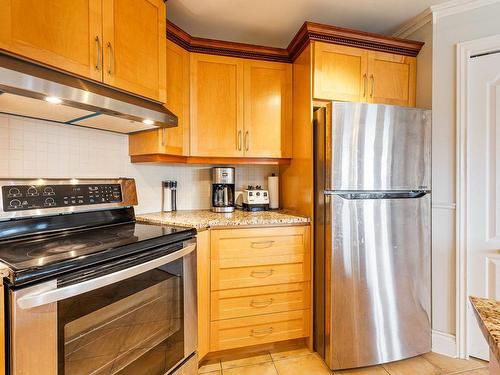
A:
<point x="58" y="294"/>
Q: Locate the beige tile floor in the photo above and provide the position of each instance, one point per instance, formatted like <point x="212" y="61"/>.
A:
<point x="301" y="362"/>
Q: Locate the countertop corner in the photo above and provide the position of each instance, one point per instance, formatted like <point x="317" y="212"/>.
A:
<point x="488" y="316"/>
<point x="204" y="219"/>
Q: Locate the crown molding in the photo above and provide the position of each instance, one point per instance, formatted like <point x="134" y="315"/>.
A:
<point x="414" y="24"/>
<point x="309" y="31"/>
<point x="224" y="48"/>
<point x="458" y="6"/>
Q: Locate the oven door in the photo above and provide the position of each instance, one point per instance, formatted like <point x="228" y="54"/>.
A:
<point x="135" y="315"/>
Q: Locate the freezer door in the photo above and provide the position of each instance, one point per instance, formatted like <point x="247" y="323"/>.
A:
<point x="378" y="297"/>
<point x="377" y="147"/>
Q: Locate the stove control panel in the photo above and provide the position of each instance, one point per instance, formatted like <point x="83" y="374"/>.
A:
<point x="34" y="197"/>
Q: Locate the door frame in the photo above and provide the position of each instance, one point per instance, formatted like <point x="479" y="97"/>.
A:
<point x="465" y="51"/>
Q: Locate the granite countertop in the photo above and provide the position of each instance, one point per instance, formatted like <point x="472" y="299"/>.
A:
<point x="488" y="315"/>
<point x="203" y="219"/>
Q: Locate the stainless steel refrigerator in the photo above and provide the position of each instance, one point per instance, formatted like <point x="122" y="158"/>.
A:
<point x="372" y="233"/>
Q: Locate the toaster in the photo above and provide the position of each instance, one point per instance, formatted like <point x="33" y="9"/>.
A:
<point x="255" y="199"/>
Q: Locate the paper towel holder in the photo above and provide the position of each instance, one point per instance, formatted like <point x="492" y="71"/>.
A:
<point x="273" y="188"/>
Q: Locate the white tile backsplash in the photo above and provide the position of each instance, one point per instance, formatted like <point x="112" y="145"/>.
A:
<point x="35" y="148"/>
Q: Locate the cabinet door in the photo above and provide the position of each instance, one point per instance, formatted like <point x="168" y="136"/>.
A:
<point x="267" y="109"/>
<point x="65" y="34"/>
<point x="392" y="79"/>
<point x="171" y="141"/>
<point x="176" y="140"/>
<point x="340" y="73"/>
<point x="134" y="46"/>
<point x="216" y="106"/>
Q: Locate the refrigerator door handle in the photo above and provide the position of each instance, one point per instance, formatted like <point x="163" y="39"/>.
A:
<point x="351" y="195"/>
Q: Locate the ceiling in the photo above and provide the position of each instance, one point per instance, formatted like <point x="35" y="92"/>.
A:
<point x="274" y="22"/>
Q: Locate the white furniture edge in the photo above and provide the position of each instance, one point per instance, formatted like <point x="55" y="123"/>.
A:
<point x="464" y="51"/>
<point x="444" y="206"/>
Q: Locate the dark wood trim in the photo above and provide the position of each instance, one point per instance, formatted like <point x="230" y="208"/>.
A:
<point x="308" y="32"/>
<point x="348" y="37"/>
<point x="174" y="159"/>
<point x="224" y="48"/>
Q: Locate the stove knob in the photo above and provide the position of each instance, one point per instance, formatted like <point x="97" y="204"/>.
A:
<point x="48" y="191"/>
<point x="32" y="191"/>
<point x="14" y="192"/>
<point x="15" y="203"/>
<point x="50" y="202"/>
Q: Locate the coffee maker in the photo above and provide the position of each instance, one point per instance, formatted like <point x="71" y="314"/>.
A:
<point x="222" y="189"/>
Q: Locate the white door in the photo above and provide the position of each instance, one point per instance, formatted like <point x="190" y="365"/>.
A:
<point x="483" y="218"/>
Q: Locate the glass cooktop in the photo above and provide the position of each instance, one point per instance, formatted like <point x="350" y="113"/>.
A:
<point x="68" y="249"/>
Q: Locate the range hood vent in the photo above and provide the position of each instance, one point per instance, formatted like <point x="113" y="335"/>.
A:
<point x="34" y="91"/>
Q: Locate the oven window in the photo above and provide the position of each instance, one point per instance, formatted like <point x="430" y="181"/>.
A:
<point x="135" y="326"/>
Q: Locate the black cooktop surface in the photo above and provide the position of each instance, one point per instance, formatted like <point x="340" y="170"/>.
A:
<point x="49" y="254"/>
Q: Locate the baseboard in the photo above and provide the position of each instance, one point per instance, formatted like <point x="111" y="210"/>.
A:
<point x="444" y="343"/>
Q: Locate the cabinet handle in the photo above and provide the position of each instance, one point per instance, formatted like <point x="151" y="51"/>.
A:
<point x="261" y="274"/>
<point x="262" y="332"/>
<point x="264" y="303"/>
<point x="365" y="82"/>
<point x="98" y="45"/>
<point x="163" y="137"/>
<point x="247" y="140"/>
<point x="261" y="244"/>
<point x="111" y="59"/>
<point x="239" y="140"/>
<point x="373" y="85"/>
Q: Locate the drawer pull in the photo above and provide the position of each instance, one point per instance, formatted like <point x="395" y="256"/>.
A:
<point x="264" y="303"/>
<point x="262" y="332"/>
<point x="261" y="244"/>
<point x="261" y="274"/>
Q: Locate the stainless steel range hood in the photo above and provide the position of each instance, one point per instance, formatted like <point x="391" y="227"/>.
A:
<point x="30" y="90"/>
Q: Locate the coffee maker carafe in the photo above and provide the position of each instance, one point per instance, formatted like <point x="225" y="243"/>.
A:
<point x="222" y="189"/>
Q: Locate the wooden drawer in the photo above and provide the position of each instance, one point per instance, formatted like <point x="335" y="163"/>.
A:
<point x="243" y="277"/>
<point x="257" y="245"/>
<point x="243" y="258"/>
<point x="238" y="303"/>
<point x="261" y="329"/>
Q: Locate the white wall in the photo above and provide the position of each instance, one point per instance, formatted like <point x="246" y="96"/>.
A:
<point x="443" y="214"/>
<point x="443" y="218"/>
<point x="33" y="148"/>
<point x="447" y="31"/>
<point x="436" y="89"/>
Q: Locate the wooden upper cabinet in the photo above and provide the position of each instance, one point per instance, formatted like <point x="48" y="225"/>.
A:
<point x="267" y="109"/>
<point x="227" y="107"/>
<point x="134" y="46"/>
<point x="392" y="79"/>
<point x="216" y="106"/>
<point x="66" y="34"/>
<point x="357" y="75"/>
<point x="340" y="72"/>
<point x="171" y="141"/>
